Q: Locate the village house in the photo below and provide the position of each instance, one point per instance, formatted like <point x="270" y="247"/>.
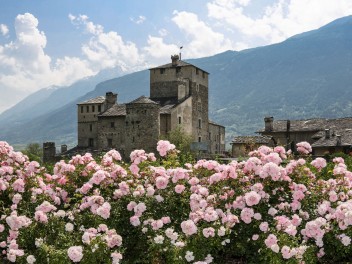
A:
<point x="178" y="97"/>
<point x="242" y="145"/>
<point x="326" y="136"/>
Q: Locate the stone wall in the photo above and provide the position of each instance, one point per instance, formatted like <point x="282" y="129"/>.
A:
<point x="111" y="133"/>
<point x="200" y="113"/>
<point x="165" y="124"/>
<point x="88" y="124"/>
<point x="49" y="152"/>
<point x="181" y="115"/>
<point x="142" y="126"/>
<point x="216" y="138"/>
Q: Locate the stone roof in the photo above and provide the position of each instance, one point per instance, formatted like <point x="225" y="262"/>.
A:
<point x="96" y="100"/>
<point x="166" y="109"/>
<point x="345" y="134"/>
<point x="213" y="123"/>
<point x="115" y="110"/>
<point x="251" y="139"/>
<point x="180" y="63"/>
<point x="142" y="100"/>
<point x="314" y="124"/>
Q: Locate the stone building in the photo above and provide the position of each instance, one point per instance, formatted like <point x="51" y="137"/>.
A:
<point x="326" y="136"/>
<point x="178" y="97"/>
<point x="242" y="145"/>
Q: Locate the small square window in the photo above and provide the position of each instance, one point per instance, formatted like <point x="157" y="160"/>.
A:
<point x="109" y="142"/>
<point x="93" y="108"/>
<point x="99" y="108"/>
<point x="87" y="108"/>
<point x="199" y="139"/>
<point x="112" y="124"/>
<point x="162" y="71"/>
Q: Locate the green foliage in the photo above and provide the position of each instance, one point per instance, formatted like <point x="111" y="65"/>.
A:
<point x="182" y="141"/>
<point x="34" y="151"/>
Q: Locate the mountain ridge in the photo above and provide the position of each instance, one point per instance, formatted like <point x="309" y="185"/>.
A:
<point x="307" y="75"/>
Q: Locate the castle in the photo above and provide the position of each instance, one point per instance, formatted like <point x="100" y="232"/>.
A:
<point x="178" y="97"/>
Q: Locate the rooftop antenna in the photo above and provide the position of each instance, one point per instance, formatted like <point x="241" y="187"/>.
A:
<point x="180" y="51"/>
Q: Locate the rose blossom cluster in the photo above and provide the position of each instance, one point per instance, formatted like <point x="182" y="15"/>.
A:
<point x="285" y="206"/>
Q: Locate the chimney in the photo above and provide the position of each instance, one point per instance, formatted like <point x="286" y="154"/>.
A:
<point x="338" y="140"/>
<point x="110" y="99"/>
<point x="63" y="148"/>
<point x="268" y="123"/>
<point x="327" y="133"/>
<point x="175" y="59"/>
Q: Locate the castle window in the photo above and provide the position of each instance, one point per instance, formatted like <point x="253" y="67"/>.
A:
<point x="112" y="124"/>
<point x="93" y="108"/>
<point x="99" y="108"/>
<point x="109" y="142"/>
<point x="199" y="123"/>
<point x="90" y="127"/>
<point x="91" y="142"/>
<point x="197" y="71"/>
<point x="179" y="120"/>
<point x="81" y="109"/>
<point x="87" y="108"/>
<point x="178" y="69"/>
<point x="162" y="71"/>
<point x="203" y="74"/>
<point x="199" y="139"/>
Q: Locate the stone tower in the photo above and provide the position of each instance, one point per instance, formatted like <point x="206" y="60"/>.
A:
<point x="87" y="115"/>
<point x="178" y="81"/>
<point x="49" y="152"/>
<point x="142" y="125"/>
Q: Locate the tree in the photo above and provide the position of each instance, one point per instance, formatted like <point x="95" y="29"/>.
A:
<point x="34" y="151"/>
<point x="180" y="139"/>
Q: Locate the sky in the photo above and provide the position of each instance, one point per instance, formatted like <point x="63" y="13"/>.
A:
<point x="47" y="42"/>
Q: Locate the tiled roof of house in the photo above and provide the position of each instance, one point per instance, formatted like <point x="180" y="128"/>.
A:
<point x="215" y="124"/>
<point x="115" y="110"/>
<point x="345" y="138"/>
<point x="251" y="139"/>
<point x="96" y="100"/>
<point x="314" y="124"/>
<point x="143" y="100"/>
<point x="180" y="63"/>
<point x="166" y="109"/>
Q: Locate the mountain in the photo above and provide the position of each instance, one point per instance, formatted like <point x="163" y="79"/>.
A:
<point x="308" y="75"/>
<point x="51" y="98"/>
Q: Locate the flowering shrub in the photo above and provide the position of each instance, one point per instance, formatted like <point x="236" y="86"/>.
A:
<point x="271" y="208"/>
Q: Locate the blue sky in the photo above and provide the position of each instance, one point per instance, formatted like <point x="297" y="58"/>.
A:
<point x="45" y="43"/>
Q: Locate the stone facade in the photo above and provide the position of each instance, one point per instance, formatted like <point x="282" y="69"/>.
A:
<point x="242" y="145"/>
<point x="326" y="136"/>
<point x="178" y="97"/>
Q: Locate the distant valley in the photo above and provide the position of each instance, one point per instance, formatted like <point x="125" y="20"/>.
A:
<point x="308" y="75"/>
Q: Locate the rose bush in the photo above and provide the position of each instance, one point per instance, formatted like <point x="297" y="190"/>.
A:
<point x="271" y="208"/>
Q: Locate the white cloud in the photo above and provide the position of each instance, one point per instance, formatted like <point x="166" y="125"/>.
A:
<point x="139" y="20"/>
<point x="202" y="40"/>
<point x="26" y="67"/>
<point x="4" y="30"/>
<point x="280" y="20"/>
<point x="107" y="49"/>
<point x="163" y="32"/>
<point x="158" y="49"/>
